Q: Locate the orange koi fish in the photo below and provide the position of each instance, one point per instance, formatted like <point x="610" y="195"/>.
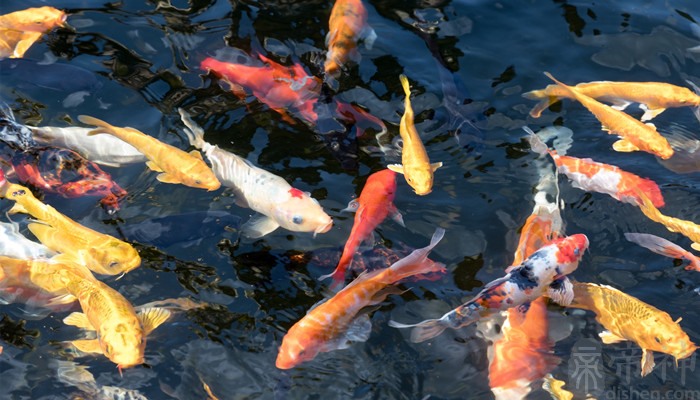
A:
<point x="653" y="97"/>
<point x="20" y="29"/>
<point x="544" y="272"/>
<point x="688" y="228"/>
<point x="347" y="25"/>
<point x="593" y="176"/>
<point x="333" y="324"/>
<point x="664" y="247"/>
<point x="635" y="135"/>
<point x="174" y="165"/>
<point x="373" y="206"/>
<point x="627" y="318"/>
<point x="416" y="166"/>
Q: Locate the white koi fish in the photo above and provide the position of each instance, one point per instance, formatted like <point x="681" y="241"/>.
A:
<point x="13" y="244"/>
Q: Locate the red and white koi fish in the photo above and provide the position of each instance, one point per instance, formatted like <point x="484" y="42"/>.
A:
<point x="279" y="203"/>
<point x="664" y="247"/>
<point x="347" y="25"/>
<point x="593" y="176"/>
<point x="333" y="324"/>
<point x="543" y="273"/>
<point x="373" y="206"/>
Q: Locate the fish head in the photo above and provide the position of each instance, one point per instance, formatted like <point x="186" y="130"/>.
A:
<point x="203" y="179"/>
<point x="115" y="257"/>
<point x="661" y="148"/>
<point x="297" y="348"/>
<point x="39" y="19"/>
<point x="302" y="213"/>
<point x="570" y="249"/>
<point x="123" y="342"/>
<point x="420" y="179"/>
<point x="668" y="337"/>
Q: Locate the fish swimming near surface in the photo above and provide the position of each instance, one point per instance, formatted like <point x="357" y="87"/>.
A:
<point x="333" y="324"/>
<point x="664" y="247"/>
<point x="20" y="29"/>
<point x="15" y="245"/>
<point x="543" y="273"/>
<point x="687" y="228"/>
<point x="635" y="135"/>
<point x="415" y="165"/>
<point x="627" y="318"/>
<point x="278" y="203"/>
<point x="373" y="206"/>
<point x="174" y="165"/>
<point x="653" y="97"/>
<point x="593" y="176"/>
<point x="12" y="132"/>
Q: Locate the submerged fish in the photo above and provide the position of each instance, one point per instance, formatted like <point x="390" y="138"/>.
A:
<point x="635" y="135"/>
<point x="174" y="165"/>
<point x="13" y="133"/>
<point x="688" y="228"/>
<point x="74" y="374"/>
<point x="15" y="245"/>
<point x="20" y="29"/>
<point x="415" y="164"/>
<point x="333" y="324"/>
<point x="543" y="273"/>
<point x="347" y="25"/>
<point x="627" y="318"/>
<point x="664" y="247"/>
<point x="279" y="203"/>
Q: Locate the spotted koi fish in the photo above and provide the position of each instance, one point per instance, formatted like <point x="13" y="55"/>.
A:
<point x="543" y="273"/>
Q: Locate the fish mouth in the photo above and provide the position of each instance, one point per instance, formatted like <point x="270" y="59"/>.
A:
<point x="324" y="228"/>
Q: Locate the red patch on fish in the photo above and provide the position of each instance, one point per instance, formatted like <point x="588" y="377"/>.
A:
<point x="296" y="193"/>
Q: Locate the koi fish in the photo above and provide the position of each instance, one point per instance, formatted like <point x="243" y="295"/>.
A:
<point x="373" y="206"/>
<point x="20" y="29"/>
<point x="627" y="318"/>
<point x="635" y="135"/>
<point x="415" y="166"/>
<point x="653" y="97"/>
<point x="687" y="228"/>
<point x="15" y="245"/>
<point x="347" y="25"/>
<point x="543" y="273"/>
<point x="332" y="324"/>
<point x="555" y="388"/>
<point x="12" y="132"/>
<point x="664" y="247"/>
<point x="174" y="165"/>
<point x="73" y="374"/>
<point x="593" y="176"/>
<point x="101" y="253"/>
<point x="278" y="203"/>
<point x="68" y="174"/>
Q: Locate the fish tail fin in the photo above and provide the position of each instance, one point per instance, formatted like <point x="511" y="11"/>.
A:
<point x="194" y="132"/>
<point x="423" y="331"/>
<point x="406" y="86"/>
<point x="536" y="143"/>
<point x="102" y="126"/>
<point x="696" y="89"/>
<point x="535" y="94"/>
<point x="566" y="88"/>
<point x="418" y="263"/>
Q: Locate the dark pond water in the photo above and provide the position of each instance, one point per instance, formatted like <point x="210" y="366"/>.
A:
<point x="470" y="61"/>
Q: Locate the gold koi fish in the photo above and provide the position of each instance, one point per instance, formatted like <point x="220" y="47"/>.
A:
<point x="628" y="318"/>
<point x="416" y="166"/>
<point x="174" y="165"/>
<point x="688" y="228"/>
<point x="20" y="29"/>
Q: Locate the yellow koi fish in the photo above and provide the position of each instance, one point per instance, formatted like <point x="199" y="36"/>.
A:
<point x="653" y="97"/>
<point x="174" y="165"/>
<point x="101" y="253"/>
<point x="416" y="167"/>
<point x="20" y="29"/>
<point x="628" y="318"/>
<point x="635" y="134"/>
<point x="688" y="228"/>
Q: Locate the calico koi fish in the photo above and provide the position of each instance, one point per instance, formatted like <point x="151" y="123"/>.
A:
<point x="664" y="247"/>
<point x="543" y="273"/>
<point x="635" y="135"/>
<point x="593" y="176"/>
<point x="347" y="25"/>
<point x="415" y="166"/>
<point x="174" y="165"/>
<point x="270" y="195"/>
<point x="687" y="228"/>
<point x="373" y="206"/>
<point x="653" y="97"/>
<point x="20" y="29"/>
<point x="627" y="318"/>
<point x="332" y="324"/>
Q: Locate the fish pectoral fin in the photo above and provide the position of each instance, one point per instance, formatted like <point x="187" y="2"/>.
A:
<point x="396" y="216"/>
<point x="435" y="166"/>
<point x="358" y="331"/>
<point x="17" y="208"/>
<point x="353" y="205"/>
<point x="153" y="166"/>
<point x="167" y="178"/>
<point x="647" y="361"/>
<point x="619" y="104"/>
<point x="153" y="317"/>
<point x="650" y="112"/>
<point x="695" y="246"/>
<point x="398" y="168"/>
<point x="561" y="291"/>
<point x="78" y="319"/>
<point x="45" y="233"/>
<point x="196" y="153"/>
<point x="609" y="338"/>
<point x="61" y="300"/>
<point x="624" y="146"/>
<point x="88" y="345"/>
<point x="368" y="36"/>
<point x="258" y="226"/>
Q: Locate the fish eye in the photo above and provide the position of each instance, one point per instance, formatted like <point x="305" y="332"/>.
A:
<point x="197" y="182"/>
<point x="297" y="219"/>
<point x="108" y="348"/>
<point x="577" y="251"/>
<point x="657" y="339"/>
<point x="114" y="264"/>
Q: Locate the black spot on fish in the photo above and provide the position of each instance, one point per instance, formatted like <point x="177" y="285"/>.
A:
<point x="523" y="277"/>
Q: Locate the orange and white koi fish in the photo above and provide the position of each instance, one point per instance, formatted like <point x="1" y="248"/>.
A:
<point x="627" y="318"/>
<point x="333" y="324"/>
<point x="664" y="247"/>
<point x="347" y="25"/>
<point x="20" y="29"/>
<point x="593" y="176"/>
<point x="174" y="165"/>
<point x="653" y="97"/>
<point x="416" y="166"/>
<point x="689" y="229"/>
<point x="279" y="203"/>
<point x="543" y="273"/>
<point x="635" y="135"/>
<point x="101" y="253"/>
<point x="373" y="206"/>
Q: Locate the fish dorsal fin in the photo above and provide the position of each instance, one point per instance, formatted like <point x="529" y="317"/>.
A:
<point x="398" y="168"/>
<point x="153" y="166"/>
<point x="167" y="178"/>
<point x="88" y="345"/>
<point x="196" y="154"/>
<point x="624" y="146"/>
<point x="78" y="319"/>
<point x="153" y="317"/>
